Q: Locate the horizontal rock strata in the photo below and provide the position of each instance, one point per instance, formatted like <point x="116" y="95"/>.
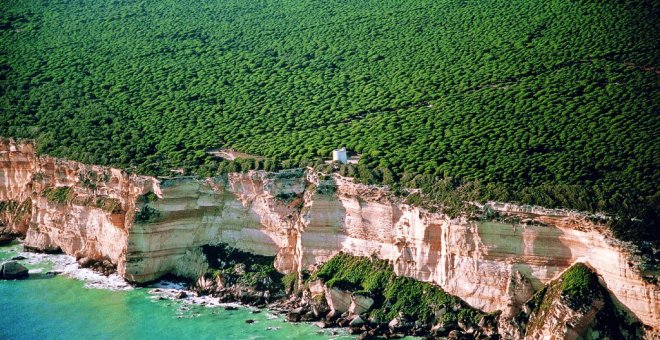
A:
<point x="304" y="219"/>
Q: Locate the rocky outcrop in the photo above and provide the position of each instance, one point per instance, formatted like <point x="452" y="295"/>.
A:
<point x="573" y="306"/>
<point x="17" y="163"/>
<point x="304" y="219"/>
<point x="338" y="300"/>
<point x="12" y="270"/>
<point x="360" y="304"/>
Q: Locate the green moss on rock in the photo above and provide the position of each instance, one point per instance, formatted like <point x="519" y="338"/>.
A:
<point x="108" y="204"/>
<point x="579" y="289"/>
<point x="14" y="211"/>
<point x="579" y="286"/>
<point x="393" y="295"/>
<point x="61" y="195"/>
<point x="326" y="189"/>
<point x="289" y="281"/>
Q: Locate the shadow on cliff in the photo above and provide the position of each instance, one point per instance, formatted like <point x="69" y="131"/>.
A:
<point x="624" y="317"/>
<point x="530" y="247"/>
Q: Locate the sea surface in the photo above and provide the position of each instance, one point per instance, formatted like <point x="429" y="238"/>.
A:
<point x="80" y="304"/>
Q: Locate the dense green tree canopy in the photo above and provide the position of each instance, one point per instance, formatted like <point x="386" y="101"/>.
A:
<point x="523" y="94"/>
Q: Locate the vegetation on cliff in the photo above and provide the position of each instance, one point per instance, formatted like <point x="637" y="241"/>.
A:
<point x="61" y="195"/>
<point x="13" y="212"/>
<point x="147" y="198"/>
<point x="108" y="204"/>
<point x="66" y="195"/>
<point x="579" y="289"/>
<point x="237" y="267"/>
<point x="579" y="286"/>
<point x="146" y="214"/>
<point x="16" y="209"/>
<point x="394" y="295"/>
<point x="542" y="102"/>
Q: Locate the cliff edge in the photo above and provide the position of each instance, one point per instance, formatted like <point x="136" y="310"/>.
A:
<point x="144" y="226"/>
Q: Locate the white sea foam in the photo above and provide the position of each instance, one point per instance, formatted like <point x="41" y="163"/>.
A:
<point x="170" y="289"/>
<point x="61" y="264"/>
<point x="166" y="284"/>
<point x="67" y="265"/>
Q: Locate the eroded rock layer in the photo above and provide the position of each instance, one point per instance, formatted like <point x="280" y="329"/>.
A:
<point x="83" y="210"/>
<point x="303" y="219"/>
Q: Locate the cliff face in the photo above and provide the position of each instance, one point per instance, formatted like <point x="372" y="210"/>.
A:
<point x="17" y="164"/>
<point x="305" y="219"/>
<point x="241" y="211"/>
<point x="80" y="209"/>
<point x="491" y="265"/>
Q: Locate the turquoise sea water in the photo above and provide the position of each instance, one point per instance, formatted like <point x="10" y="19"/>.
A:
<point x="60" y="307"/>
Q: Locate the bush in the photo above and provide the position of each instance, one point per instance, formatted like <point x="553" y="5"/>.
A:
<point x="147" y="198"/>
<point x="108" y="204"/>
<point x="146" y="214"/>
<point x="289" y="281"/>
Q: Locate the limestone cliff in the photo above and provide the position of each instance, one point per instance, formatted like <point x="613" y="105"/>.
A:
<point x="83" y="210"/>
<point x="242" y="211"/>
<point x="17" y="164"/>
<point x="305" y="218"/>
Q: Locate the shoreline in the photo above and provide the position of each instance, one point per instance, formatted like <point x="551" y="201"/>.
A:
<point x="168" y="288"/>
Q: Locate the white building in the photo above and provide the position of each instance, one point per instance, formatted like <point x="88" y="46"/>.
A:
<point x="339" y="155"/>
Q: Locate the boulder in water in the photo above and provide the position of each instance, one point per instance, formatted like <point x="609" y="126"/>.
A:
<point x="12" y="270"/>
<point x="357" y="322"/>
<point x="5" y="240"/>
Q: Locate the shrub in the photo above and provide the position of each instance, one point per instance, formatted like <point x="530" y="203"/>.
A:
<point x="108" y="204"/>
<point x="146" y="214"/>
<point x="289" y="281"/>
<point x="147" y="198"/>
